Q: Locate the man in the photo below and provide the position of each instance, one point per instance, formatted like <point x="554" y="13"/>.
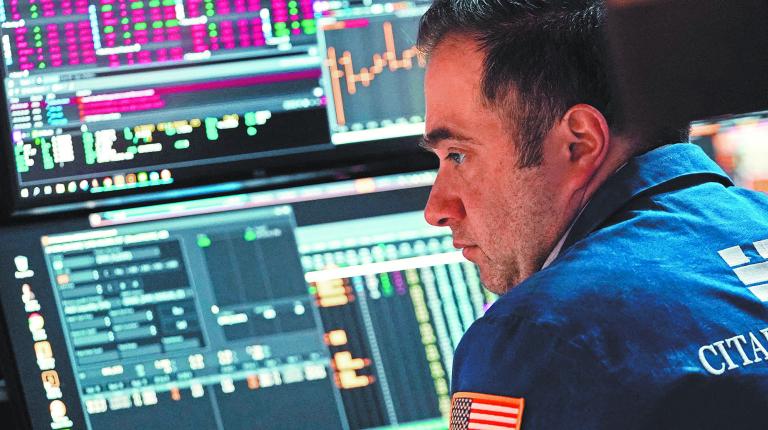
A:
<point x="632" y="273"/>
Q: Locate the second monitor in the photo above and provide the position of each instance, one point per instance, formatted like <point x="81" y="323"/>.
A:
<point x="333" y="304"/>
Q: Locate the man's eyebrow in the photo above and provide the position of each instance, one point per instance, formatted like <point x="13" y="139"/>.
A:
<point x="430" y="140"/>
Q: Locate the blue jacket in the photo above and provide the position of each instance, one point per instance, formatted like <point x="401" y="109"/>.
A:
<point x="654" y="315"/>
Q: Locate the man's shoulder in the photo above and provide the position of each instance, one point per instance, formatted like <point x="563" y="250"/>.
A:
<point x="666" y="277"/>
<point x="662" y="252"/>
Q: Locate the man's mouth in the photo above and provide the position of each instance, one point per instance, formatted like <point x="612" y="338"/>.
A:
<point x="468" y="249"/>
<point x="458" y="244"/>
<point x="468" y="252"/>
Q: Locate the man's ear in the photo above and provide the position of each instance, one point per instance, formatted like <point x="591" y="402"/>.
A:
<point x="588" y="138"/>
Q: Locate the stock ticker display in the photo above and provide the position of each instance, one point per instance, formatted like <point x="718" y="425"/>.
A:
<point x="114" y="95"/>
<point x="263" y="310"/>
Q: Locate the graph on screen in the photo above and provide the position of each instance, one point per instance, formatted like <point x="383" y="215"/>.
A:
<point x="374" y="75"/>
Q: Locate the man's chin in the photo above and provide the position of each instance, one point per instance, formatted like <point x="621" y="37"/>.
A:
<point x="494" y="282"/>
<point x="492" y="277"/>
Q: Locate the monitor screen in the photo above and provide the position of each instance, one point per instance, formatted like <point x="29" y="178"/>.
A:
<point x="328" y="306"/>
<point x="739" y="145"/>
<point x="114" y="97"/>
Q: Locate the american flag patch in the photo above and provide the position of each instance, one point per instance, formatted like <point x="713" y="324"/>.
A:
<point x="473" y="411"/>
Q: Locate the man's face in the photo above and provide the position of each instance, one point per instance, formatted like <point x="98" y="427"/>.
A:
<point x="505" y="218"/>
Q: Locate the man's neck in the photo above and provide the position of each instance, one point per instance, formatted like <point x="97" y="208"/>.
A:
<point x="613" y="163"/>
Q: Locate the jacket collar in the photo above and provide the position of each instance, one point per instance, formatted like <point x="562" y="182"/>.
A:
<point x="644" y="174"/>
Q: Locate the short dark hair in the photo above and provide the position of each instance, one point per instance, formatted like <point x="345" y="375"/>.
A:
<point x="541" y="58"/>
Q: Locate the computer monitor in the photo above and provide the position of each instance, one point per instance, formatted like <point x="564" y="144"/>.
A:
<point x="739" y="144"/>
<point x="108" y="98"/>
<point x="326" y="306"/>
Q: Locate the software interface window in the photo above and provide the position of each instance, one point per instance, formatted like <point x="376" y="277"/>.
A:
<point x="334" y="304"/>
<point x="105" y="96"/>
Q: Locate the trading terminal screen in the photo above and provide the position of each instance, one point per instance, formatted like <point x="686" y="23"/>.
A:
<point x="330" y="306"/>
<point x="108" y="97"/>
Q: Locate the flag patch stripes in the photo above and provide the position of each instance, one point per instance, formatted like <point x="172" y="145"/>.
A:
<point x="474" y="411"/>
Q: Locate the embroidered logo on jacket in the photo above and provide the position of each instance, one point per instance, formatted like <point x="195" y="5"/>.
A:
<point x="752" y="274"/>
<point x="734" y="352"/>
<point x="474" y="411"/>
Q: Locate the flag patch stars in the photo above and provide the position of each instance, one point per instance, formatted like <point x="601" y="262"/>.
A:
<point x="474" y="411"/>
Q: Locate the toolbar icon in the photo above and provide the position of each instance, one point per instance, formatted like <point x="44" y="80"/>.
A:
<point x="52" y="384"/>
<point x="36" y="322"/>
<point x="22" y="267"/>
<point x="28" y="298"/>
<point x="58" y="409"/>
<point x="44" y="354"/>
<point x="51" y="379"/>
<point x="59" y="415"/>
<point x="36" y="327"/>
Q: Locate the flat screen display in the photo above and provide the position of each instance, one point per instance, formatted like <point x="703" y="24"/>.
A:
<point x="329" y="306"/>
<point x="114" y="97"/>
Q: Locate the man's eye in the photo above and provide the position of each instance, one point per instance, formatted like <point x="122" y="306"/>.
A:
<point x="456" y="157"/>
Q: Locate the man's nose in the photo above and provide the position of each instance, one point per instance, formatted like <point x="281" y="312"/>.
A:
<point x="444" y="207"/>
